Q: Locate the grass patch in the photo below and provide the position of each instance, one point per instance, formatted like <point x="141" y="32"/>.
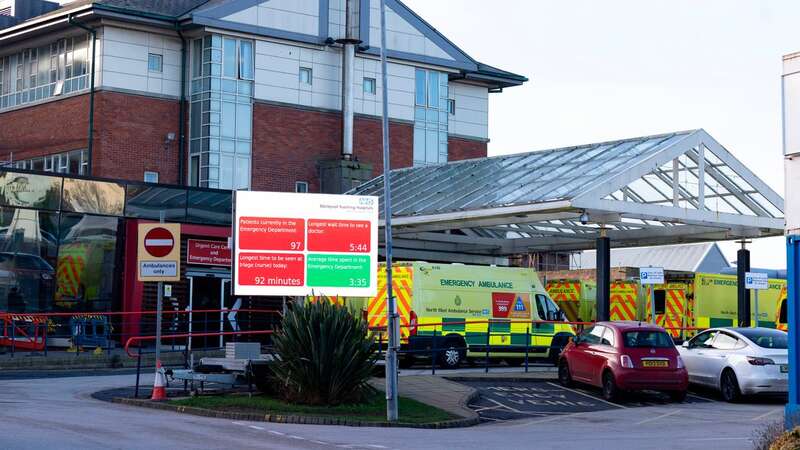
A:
<point x="373" y="410"/>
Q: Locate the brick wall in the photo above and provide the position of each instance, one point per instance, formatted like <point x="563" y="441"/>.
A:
<point x="130" y="133"/>
<point x="288" y="142"/>
<point x="461" y="148"/>
<point x="48" y="128"/>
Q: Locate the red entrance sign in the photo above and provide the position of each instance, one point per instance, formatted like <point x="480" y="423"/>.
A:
<point x="271" y="233"/>
<point x="209" y="253"/>
<point x="271" y="269"/>
<point x="328" y="235"/>
<point x="159" y="242"/>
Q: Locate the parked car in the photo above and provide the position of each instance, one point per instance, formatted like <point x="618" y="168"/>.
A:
<point x="27" y="282"/>
<point x="739" y="361"/>
<point x="624" y="356"/>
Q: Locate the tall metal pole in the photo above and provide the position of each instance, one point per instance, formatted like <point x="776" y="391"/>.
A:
<point x="391" y="305"/>
<point x="755" y="304"/>
<point x="159" y="307"/>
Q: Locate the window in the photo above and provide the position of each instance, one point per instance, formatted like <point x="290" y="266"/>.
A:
<point x="369" y="86"/>
<point x="609" y="337"/>
<point x="703" y="340"/>
<point x="451" y="106"/>
<point x="766" y="338"/>
<point x="301" y="186"/>
<point x="725" y="341"/>
<point x="661" y="300"/>
<point x="305" y="75"/>
<point x="221" y="112"/>
<point x="547" y="309"/>
<point x="593" y="335"/>
<point x="651" y="339"/>
<point x="430" y="117"/>
<point x="38" y="73"/>
<point x="150" y="177"/>
<point x="155" y="62"/>
<point x="74" y="162"/>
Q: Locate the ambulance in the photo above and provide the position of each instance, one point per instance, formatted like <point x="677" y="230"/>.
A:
<point x="781" y="313"/>
<point x="451" y="307"/>
<point x="578" y="299"/>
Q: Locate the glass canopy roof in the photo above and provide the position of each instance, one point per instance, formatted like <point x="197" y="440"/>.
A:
<point x="669" y="188"/>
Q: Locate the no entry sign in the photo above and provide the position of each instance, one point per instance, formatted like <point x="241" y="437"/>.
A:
<point x="305" y="244"/>
<point x="158" y="258"/>
<point x="159" y="242"/>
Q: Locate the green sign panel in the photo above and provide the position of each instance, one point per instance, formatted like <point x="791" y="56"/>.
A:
<point x="328" y="270"/>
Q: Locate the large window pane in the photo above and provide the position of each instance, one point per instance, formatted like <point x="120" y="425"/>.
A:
<point x="226" y="172"/>
<point x="28" y="248"/>
<point x="228" y="119"/>
<point x="420" y="87"/>
<point x="31" y="191"/>
<point x="244" y="117"/>
<point x="246" y="60"/>
<point x="147" y="202"/>
<point x="229" y="58"/>
<point x="86" y="262"/>
<point x="242" y="173"/>
<point x="431" y="146"/>
<point x="419" y="145"/>
<point x="433" y="89"/>
<point x="197" y="57"/>
<point x="95" y="197"/>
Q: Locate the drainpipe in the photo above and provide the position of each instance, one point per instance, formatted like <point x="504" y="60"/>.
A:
<point x="182" y="112"/>
<point x="348" y="67"/>
<point x="93" y="32"/>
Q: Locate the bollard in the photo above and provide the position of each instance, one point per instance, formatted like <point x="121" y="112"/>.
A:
<point x="527" y="345"/>
<point x="138" y="370"/>
<point x="488" y="340"/>
<point x="433" y="353"/>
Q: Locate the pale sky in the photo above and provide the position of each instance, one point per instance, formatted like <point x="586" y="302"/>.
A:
<point x="612" y="69"/>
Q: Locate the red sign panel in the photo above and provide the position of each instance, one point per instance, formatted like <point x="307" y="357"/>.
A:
<point x="502" y="303"/>
<point x="348" y="236"/>
<point x="271" y="269"/>
<point x="159" y="242"/>
<point x="271" y="233"/>
<point x="209" y="253"/>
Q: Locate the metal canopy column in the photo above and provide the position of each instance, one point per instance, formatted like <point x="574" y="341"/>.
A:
<point x="792" y="412"/>
<point x="603" y="276"/>
<point x="742" y="266"/>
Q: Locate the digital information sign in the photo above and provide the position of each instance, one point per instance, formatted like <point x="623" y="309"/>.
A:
<point x="305" y="244"/>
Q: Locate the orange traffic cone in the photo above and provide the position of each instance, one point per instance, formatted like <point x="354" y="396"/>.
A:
<point x="159" y="384"/>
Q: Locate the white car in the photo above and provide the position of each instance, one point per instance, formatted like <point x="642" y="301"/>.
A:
<point x="738" y="361"/>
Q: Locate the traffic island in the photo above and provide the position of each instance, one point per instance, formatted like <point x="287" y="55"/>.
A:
<point x="263" y="408"/>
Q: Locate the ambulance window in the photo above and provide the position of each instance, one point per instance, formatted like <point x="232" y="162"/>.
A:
<point x="541" y="309"/>
<point x="661" y="300"/>
<point x="784" y="314"/>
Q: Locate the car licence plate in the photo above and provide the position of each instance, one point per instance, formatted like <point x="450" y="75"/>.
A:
<point x="784" y="368"/>
<point x="655" y="363"/>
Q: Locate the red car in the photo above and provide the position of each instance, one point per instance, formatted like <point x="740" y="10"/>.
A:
<point x="624" y="356"/>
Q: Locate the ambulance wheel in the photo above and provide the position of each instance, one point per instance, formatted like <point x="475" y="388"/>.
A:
<point x="452" y="354"/>
<point x="610" y="390"/>
<point x="729" y="386"/>
<point x="564" y="376"/>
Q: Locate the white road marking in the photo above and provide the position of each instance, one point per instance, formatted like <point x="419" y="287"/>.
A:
<point x="586" y="395"/>
<point x="319" y="442"/>
<point x="504" y="406"/>
<point x="256" y="427"/>
<point x="703" y="398"/>
<point x="485" y="408"/>
<point x="766" y="414"/>
<point x="671" y="413"/>
<point x="239" y="423"/>
<point x="375" y="446"/>
<point x="277" y="433"/>
<point x="299" y="438"/>
<point x="524" y="413"/>
<point x="550" y="419"/>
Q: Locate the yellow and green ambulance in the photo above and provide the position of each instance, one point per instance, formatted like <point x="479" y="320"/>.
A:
<point x="460" y="309"/>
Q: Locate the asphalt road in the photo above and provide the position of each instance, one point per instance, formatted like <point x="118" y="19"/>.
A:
<point x="60" y="413"/>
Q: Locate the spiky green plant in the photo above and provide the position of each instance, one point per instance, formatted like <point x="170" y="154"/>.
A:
<point x="325" y="355"/>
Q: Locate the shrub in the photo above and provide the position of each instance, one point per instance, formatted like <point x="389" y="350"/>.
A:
<point x="325" y="355"/>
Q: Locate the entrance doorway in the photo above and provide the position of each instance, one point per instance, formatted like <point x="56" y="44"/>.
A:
<point x="208" y="294"/>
